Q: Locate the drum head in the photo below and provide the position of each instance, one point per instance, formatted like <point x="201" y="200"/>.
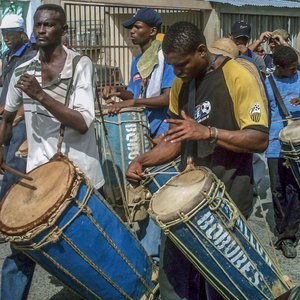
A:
<point x="182" y="193"/>
<point x="30" y="203"/>
<point x="291" y="133"/>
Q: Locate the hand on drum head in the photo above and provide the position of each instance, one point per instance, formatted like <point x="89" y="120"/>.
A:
<point x="114" y="109"/>
<point x="135" y="173"/>
<point x="109" y="91"/>
<point x="295" y="102"/>
<point x="186" y="129"/>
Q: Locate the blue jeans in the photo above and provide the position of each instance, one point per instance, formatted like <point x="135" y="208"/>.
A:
<point x="17" y="272"/>
<point x="17" y="138"/>
<point x="149" y="236"/>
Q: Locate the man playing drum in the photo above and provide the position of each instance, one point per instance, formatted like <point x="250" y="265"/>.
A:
<point x="285" y="190"/>
<point x="42" y="84"/>
<point x="228" y="122"/>
<point x="150" y="82"/>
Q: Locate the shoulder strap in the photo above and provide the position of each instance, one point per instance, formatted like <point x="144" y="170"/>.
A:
<point x="75" y="62"/>
<point x="278" y="98"/>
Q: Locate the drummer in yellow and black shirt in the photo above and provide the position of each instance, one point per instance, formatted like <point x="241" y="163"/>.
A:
<point x="218" y="117"/>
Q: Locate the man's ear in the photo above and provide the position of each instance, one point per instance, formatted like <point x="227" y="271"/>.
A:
<point x="202" y="49"/>
<point x="154" y="31"/>
<point x="65" y="29"/>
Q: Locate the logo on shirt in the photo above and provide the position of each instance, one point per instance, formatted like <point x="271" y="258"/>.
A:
<point x="255" y="112"/>
<point x="137" y="77"/>
<point x="202" y="111"/>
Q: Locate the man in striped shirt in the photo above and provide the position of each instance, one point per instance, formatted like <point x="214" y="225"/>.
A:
<point x="42" y="84"/>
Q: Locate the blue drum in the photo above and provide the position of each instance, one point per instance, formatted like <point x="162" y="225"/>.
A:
<point x="157" y="176"/>
<point x="289" y="138"/>
<point x="62" y="223"/>
<point x="125" y="141"/>
<point x="195" y="212"/>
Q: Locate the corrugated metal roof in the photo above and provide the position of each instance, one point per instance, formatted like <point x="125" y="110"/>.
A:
<point x="273" y="3"/>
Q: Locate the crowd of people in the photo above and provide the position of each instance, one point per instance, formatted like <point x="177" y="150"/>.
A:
<point x="216" y="104"/>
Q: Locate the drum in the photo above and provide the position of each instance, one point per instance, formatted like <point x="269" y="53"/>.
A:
<point x="157" y="176"/>
<point x="289" y="138"/>
<point x="125" y="141"/>
<point x="195" y="212"/>
<point x="23" y="150"/>
<point x="138" y="199"/>
<point x="63" y="224"/>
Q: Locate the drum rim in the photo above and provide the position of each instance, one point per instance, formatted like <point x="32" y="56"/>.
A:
<point x="285" y="138"/>
<point x="104" y="110"/>
<point x="173" y="217"/>
<point x="42" y="220"/>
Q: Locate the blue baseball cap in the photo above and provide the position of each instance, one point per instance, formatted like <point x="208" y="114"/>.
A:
<point x="146" y="15"/>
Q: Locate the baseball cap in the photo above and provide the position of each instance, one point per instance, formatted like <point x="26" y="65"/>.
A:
<point x="145" y="15"/>
<point x="285" y="35"/>
<point x="240" y="28"/>
<point x="224" y="46"/>
<point x="12" y="22"/>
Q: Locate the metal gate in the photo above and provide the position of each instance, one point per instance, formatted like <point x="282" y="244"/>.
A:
<point x="96" y="30"/>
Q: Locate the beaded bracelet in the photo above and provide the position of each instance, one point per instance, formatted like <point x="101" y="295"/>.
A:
<point x="213" y="138"/>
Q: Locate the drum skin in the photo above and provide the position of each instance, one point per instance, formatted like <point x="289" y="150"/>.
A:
<point x="289" y="138"/>
<point x="197" y="214"/>
<point x="126" y="137"/>
<point x="77" y="237"/>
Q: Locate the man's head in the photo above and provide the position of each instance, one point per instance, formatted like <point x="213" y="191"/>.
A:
<point x="49" y="25"/>
<point x="278" y="32"/>
<point x="285" y="59"/>
<point x="184" y="46"/>
<point x="12" y="28"/>
<point x="240" y="33"/>
<point x="144" y="26"/>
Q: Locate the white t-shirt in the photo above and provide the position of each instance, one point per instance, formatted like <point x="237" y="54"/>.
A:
<point x="43" y="128"/>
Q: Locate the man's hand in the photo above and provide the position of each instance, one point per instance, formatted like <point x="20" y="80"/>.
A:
<point x="30" y="86"/>
<point x="115" y="108"/>
<point x="110" y="91"/>
<point x="186" y="129"/>
<point x="295" y="102"/>
<point x="1" y="110"/>
<point x="243" y="49"/>
<point x="278" y="39"/>
<point x="19" y="116"/>
<point x="135" y="173"/>
<point x="264" y="36"/>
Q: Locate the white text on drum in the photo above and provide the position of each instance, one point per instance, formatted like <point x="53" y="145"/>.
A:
<point x="222" y="240"/>
<point x="241" y="226"/>
<point x="132" y="141"/>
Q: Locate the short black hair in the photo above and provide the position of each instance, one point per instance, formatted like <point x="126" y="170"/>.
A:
<point x="183" y="38"/>
<point x="284" y="56"/>
<point x="56" y="8"/>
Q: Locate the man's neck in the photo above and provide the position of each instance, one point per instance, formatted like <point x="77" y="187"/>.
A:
<point x="146" y="46"/>
<point x="50" y="55"/>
